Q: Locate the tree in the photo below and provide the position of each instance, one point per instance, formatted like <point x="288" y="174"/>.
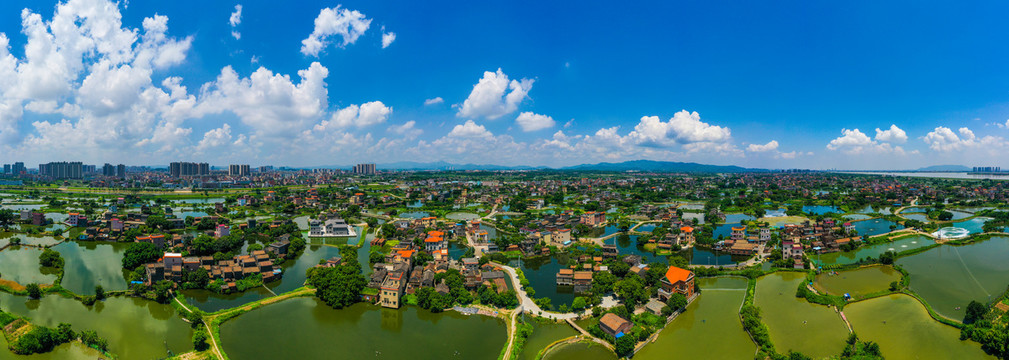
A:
<point x="140" y="253"/>
<point x="625" y="345"/>
<point x="338" y="286"/>
<point x="34" y="291"/>
<point x="161" y="289"/>
<point x="50" y="258"/>
<point x="99" y="292"/>
<point x="578" y="304"/>
<point x="200" y="341"/>
<point x="677" y="301"/>
<point x="631" y="290"/>
<point x="602" y="283"/>
<point x="887" y="257"/>
<point x="975" y="311"/>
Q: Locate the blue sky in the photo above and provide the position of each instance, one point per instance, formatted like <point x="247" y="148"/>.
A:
<point x="793" y="84"/>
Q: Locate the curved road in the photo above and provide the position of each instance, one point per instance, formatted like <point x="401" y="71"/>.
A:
<point x="528" y="305"/>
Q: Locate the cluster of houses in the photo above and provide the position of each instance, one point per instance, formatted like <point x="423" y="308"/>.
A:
<point x="399" y="274"/>
<point x="173" y="266"/>
<point x="675" y="281"/>
<point x="330" y="225"/>
<point x="823" y="236"/>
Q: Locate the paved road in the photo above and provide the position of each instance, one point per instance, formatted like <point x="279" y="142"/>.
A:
<point x="529" y="306"/>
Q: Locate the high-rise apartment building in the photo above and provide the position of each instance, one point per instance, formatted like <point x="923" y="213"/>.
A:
<point x="62" y="170"/>
<point x="239" y="170"/>
<point x="19" y="169"/>
<point x="178" y="169"/>
<point x="364" y="169"/>
<point x="121" y="171"/>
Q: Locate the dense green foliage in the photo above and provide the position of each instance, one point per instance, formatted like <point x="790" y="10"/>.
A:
<point x="140" y="253"/>
<point x="338" y="286"/>
<point x="50" y="258"/>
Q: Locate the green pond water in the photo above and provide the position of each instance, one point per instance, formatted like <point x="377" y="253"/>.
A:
<point x="903" y="329"/>
<point x="294" y="271"/>
<point x="581" y="351"/>
<point x="21" y="264"/>
<point x="135" y="328"/>
<point x="849" y="257"/>
<point x="71" y="351"/>
<point x="858" y="282"/>
<point x="87" y="264"/>
<point x="795" y="324"/>
<point x="293" y="278"/>
<point x="948" y="277"/>
<point x="543" y="335"/>
<point x="711" y="316"/>
<point x="34" y="240"/>
<point x="313" y="330"/>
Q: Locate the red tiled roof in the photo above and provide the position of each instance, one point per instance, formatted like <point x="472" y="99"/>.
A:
<point x="675" y="274"/>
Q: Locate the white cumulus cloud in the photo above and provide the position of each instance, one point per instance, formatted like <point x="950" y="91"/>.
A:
<point x="495" y="96"/>
<point x="529" y="121"/>
<point x="893" y="135"/>
<point x="365" y="115"/>
<point x="346" y="23"/>
<point x="770" y="146"/>
<point x="235" y="20"/>
<point x="435" y="101"/>
<point x="387" y="38"/>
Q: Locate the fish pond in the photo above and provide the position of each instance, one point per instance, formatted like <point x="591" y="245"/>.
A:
<point x="875" y="227"/>
<point x="544" y="334"/>
<point x="904" y="330"/>
<point x="313" y="330"/>
<point x="873" y="251"/>
<point x="135" y="328"/>
<point x="793" y="323"/>
<point x="857" y="282"/>
<point x="708" y="317"/>
<point x="20" y="264"/>
<point x="581" y="350"/>
<point x="92" y="263"/>
<point x="948" y="277"/>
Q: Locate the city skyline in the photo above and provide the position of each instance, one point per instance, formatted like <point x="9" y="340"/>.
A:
<point x="143" y="83"/>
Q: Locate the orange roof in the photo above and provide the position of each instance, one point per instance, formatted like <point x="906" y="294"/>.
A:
<point x="687" y="229"/>
<point x="435" y="233"/>
<point x="406" y="253"/>
<point x="359" y="194"/>
<point x="738" y="228"/>
<point x="433" y="239"/>
<point x="675" y="274"/>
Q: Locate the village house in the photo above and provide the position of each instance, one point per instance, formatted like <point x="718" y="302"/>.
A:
<point x="615" y="325"/>
<point x="676" y="280"/>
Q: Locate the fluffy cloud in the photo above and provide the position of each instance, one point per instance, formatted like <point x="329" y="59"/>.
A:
<point x="367" y="114"/>
<point x="892" y="135"/>
<point x="943" y="139"/>
<point x="855" y="142"/>
<point x="435" y="101"/>
<point x="272" y="104"/>
<point x="387" y="38"/>
<point x="495" y="96"/>
<point x="216" y="137"/>
<point x="684" y="128"/>
<point x="770" y="146"/>
<point x="407" y="130"/>
<point x="529" y="121"/>
<point x="469" y="129"/>
<point x="346" y="23"/>
<point x="235" y="20"/>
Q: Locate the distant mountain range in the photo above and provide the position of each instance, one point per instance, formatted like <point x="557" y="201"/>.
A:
<point x="945" y="168"/>
<point x="634" y="165"/>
